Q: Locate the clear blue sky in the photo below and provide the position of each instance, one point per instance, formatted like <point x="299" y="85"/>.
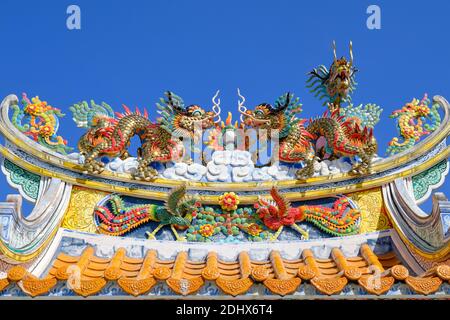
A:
<point x="131" y="51"/>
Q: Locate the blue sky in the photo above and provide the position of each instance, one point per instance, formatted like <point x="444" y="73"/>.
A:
<point x="131" y="51"/>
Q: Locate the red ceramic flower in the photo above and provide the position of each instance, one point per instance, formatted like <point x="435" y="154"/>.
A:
<point x="229" y="201"/>
<point x="207" y="230"/>
<point x="33" y="109"/>
<point x="36" y="106"/>
<point x="254" y="229"/>
<point x="46" y="131"/>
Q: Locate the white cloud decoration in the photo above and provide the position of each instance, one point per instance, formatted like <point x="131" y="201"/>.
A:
<point x="227" y="166"/>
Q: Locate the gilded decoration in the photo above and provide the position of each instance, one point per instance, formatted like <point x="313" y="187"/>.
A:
<point x="79" y="215"/>
<point x="373" y="213"/>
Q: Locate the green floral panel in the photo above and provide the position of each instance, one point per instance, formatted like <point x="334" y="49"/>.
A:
<point x="431" y="177"/>
<point x="28" y="182"/>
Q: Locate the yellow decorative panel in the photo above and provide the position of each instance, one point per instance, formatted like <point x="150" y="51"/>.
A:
<point x="80" y="213"/>
<point x="373" y="214"/>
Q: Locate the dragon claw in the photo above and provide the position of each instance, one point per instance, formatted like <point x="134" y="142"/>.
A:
<point x="304" y="173"/>
<point x="145" y="174"/>
<point x="92" y="166"/>
<point x="360" y="169"/>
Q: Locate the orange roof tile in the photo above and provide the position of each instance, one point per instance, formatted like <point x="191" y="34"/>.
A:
<point x="375" y="273"/>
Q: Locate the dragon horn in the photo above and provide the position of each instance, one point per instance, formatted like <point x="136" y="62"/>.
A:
<point x="351" y="53"/>
<point x="334" y="51"/>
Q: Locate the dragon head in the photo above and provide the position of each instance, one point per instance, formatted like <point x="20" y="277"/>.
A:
<point x="416" y="109"/>
<point x="101" y="129"/>
<point x="181" y="120"/>
<point x="98" y="119"/>
<point x="265" y="116"/>
<point x="189" y="207"/>
<point x="337" y="83"/>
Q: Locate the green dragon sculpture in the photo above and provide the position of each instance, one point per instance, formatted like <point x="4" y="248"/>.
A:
<point x="344" y="136"/>
<point x="347" y="131"/>
<point x="117" y="219"/>
<point x="336" y="86"/>
<point x="110" y="134"/>
<point x="294" y="139"/>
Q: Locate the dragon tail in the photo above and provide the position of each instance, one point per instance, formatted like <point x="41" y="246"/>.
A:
<point x="117" y="219"/>
<point x="338" y="220"/>
<point x="435" y="118"/>
<point x="397" y="147"/>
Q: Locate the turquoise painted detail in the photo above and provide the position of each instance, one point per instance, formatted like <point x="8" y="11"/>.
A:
<point x="25" y="181"/>
<point x="427" y="179"/>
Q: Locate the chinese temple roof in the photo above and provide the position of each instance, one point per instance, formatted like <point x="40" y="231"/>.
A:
<point x="324" y="215"/>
